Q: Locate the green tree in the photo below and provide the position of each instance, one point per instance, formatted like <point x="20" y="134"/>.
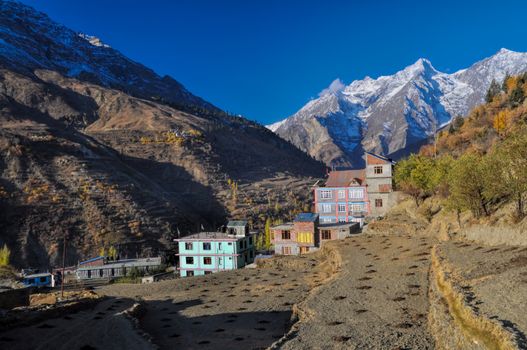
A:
<point x="5" y="255"/>
<point x="267" y="234"/>
<point x="414" y="177"/>
<point x="468" y="185"/>
<point x="509" y="164"/>
<point x="516" y="96"/>
<point x="494" y="90"/>
<point x="112" y="253"/>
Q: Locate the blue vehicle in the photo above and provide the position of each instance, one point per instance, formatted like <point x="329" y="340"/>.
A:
<point x="39" y="280"/>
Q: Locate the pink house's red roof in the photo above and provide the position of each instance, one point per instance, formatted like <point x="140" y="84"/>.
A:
<point x="344" y="178"/>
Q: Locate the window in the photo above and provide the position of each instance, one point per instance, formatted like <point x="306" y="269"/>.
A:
<point x="250" y="241"/>
<point x="304" y="237"/>
<point x="342" y="194"/>
<point x="341" y="219"/>
<point x="325" y="234"/>
<point x="206" y="246"/>
<point x="327" y="220"/>
<point x="188" y="246"/>
<point x="377" y="169"/>
<point x="304" y="250"/>
<point x="208" y="272"/>
<point x="189" y="260"/>
<point x="326" y="194"/>
<point x="286" y="250"/>
<point x="44" y="279"/>
<point x="190" y="273"/>
<point x="356" y="207"/>
<point x="342" y="208"/>
<point x="220" y="260"/>
<point x="286" y="234"/>
<point x="101" y="273"/>
<point x="207" y="260"/>
<point x="378" y="203"/>
<point x="219" y="246"/>
<point x="230" y="243"/>
<point x="326" y="208"/>
<point x="357" y="193"/>
<point x="251" y="254"/>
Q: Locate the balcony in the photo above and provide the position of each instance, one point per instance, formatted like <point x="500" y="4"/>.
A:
<point x="357" y="213"/>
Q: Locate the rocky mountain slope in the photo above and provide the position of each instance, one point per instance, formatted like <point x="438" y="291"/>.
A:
<point x="101" y="151"/>
<point x="391" y="115"/>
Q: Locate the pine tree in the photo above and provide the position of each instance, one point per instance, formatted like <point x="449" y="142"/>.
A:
<point x="494" y="90"/>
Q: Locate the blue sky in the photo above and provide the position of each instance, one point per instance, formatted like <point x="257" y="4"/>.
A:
<point x="266" y="59"/>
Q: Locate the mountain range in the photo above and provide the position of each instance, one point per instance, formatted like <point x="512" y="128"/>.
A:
<point x="391" y="115"/>
<point x="98" y="150"/>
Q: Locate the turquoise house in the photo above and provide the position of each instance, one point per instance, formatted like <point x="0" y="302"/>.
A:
<point x="208" y="252"/>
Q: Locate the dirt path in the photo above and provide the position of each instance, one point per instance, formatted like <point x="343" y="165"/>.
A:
<point x="378" y="301"/>
<point x="104" y="327"/>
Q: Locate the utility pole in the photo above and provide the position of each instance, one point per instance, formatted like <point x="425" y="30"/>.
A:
<point x="63" y="266"/>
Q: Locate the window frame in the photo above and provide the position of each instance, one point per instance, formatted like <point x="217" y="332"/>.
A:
<point x="208" y="245"/>
<point x="191" y="258"/>
<point x="286" y="235"/>
<point x="325" y="234"/>
<point x="341" y="206"/>
<point x="207" y="260"/>
<point x="189" y="246"/>
<point x="378" y="169"/>
<point x="341" y="194"/>
<point x="326" y="194"/>
<point x="325" y="208"/>
<point x="377" y="202"/>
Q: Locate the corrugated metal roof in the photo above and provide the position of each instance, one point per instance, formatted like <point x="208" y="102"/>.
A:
<point x="306" y="217"/>
<point x="286" y="226"/>
<point x="237" y="223"/>
<point x="125" y="263"/>
<point x="90" y="260"/>
<point x="209" y="236"/>
<point x="344" y="178"/>
<point x="36" y="275"/>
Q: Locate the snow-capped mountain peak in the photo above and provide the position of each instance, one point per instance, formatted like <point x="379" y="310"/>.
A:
<point x="392" y="114"/>
<point x="93" y="40"/>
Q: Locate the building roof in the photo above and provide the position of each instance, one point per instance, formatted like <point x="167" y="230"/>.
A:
<point x="91" y="260"/>
<point x="334" y="225"/>
<point x="209" y="236"/>
<point x="286" y="226"/>
<point x="306" y="217"/>
<point x="36" y="275"/>
<point x="344" y="178"/>
<point x="386" y="159"/>
<point x="125" y="263"/>
<point x="237" y="223"/>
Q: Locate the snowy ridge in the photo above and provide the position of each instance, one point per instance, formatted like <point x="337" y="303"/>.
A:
<point x="30" y="40"/>
<point x="394" y="114"/>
